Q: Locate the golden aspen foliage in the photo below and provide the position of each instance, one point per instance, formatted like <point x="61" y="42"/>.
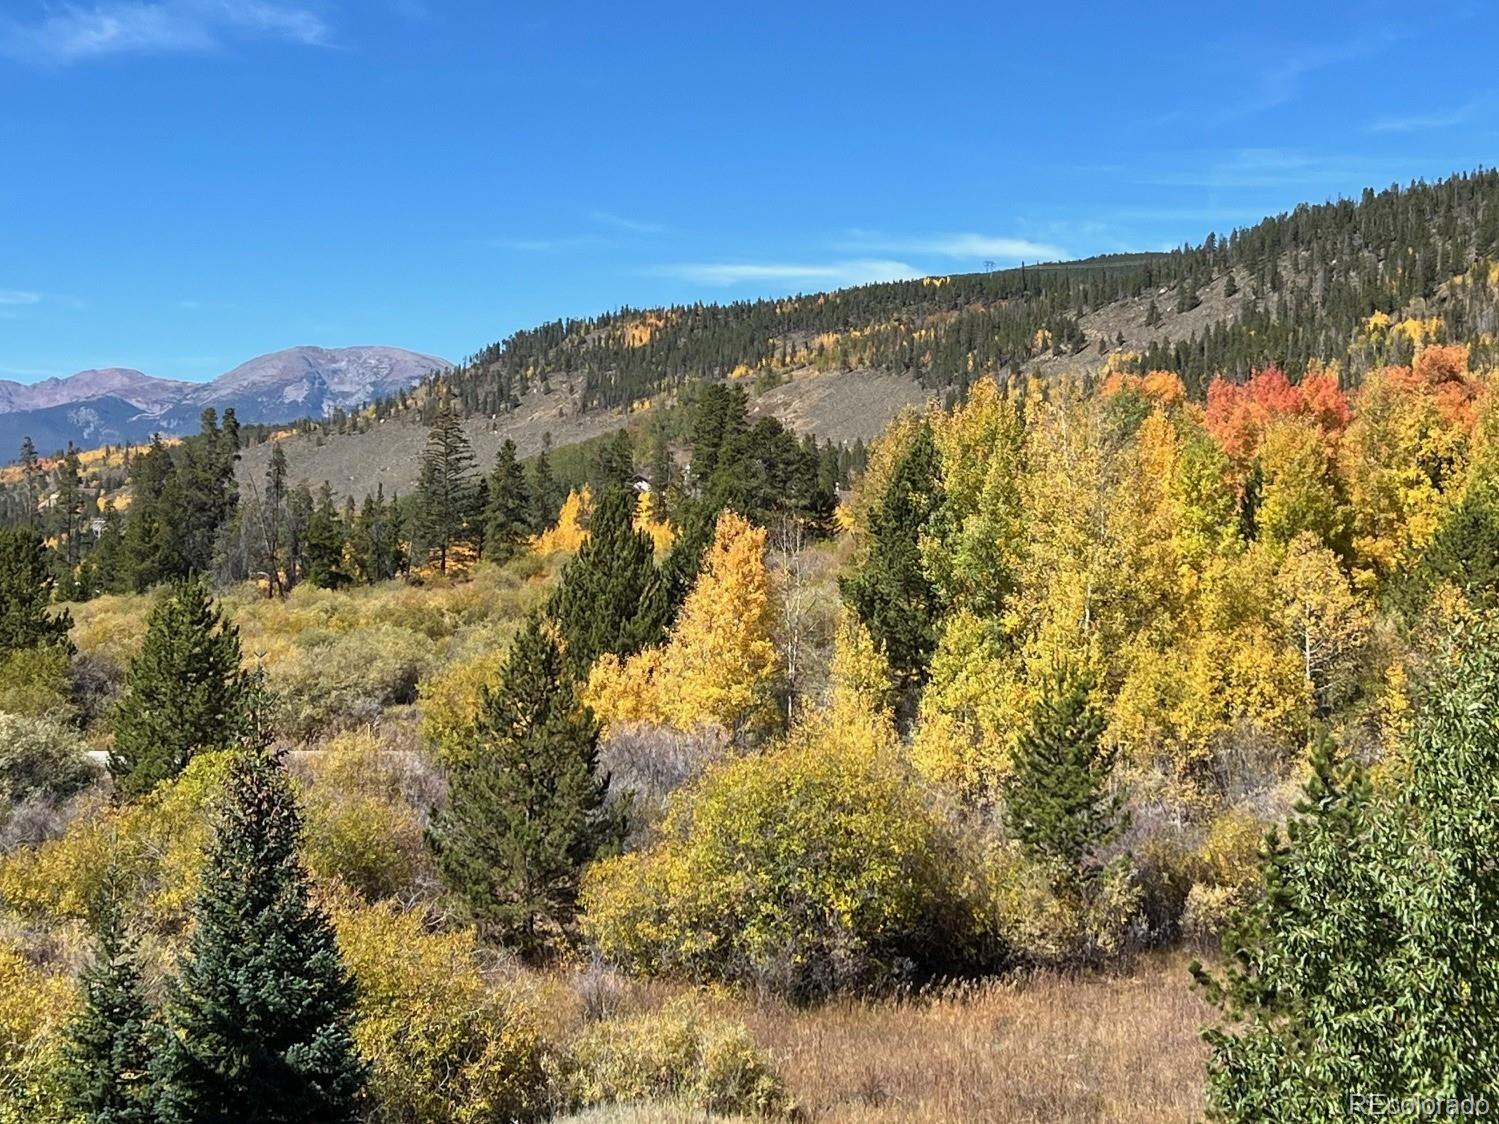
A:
<point x="1406" y="446"/>
<point x="1324" y="620"/>
<point x="970" y="552"/>
<point x="450" y="700"/>
<point x="1298" y="493"/>
<point x="571" y="527"/>
<point x="444" y="1045"/>
<point x="719" y="665"/>
<point x="651" y="519"/>
<point x="34" y="1007"/>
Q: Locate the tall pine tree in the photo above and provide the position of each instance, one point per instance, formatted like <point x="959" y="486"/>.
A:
<point x="890" y="590"/>
<point x="445" y="491"/>
<point x="25" y="591"/>
<point x="184" y="693"/>
<point x="611" y="597"/>
<point x="507" y="511"/>
<point x="526" y="806"/>
<point x="259" y="1019"/>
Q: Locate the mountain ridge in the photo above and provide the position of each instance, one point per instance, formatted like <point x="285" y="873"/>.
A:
<point x="113" y="405"/>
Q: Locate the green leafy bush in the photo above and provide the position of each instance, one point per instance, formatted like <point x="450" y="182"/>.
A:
<point x="39" y="757"/>
<point x="811" y="869"/>
<point x="36" y="681"/>
<point x="336" y="680"/>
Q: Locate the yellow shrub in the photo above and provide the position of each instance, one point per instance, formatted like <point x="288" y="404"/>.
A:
<point x="153" y="848"/>
<point x="359" y="827"/>
<point x="807" y="869"/>
<point x="679" y="1053"/>
<point x="34" y="681"/>
<point x="450" y="699"/>
<point x="444" y="1044"/>
<point x="33" y="1008"/>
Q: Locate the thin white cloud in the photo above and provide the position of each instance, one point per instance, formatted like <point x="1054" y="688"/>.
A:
<point x="12" y="298"/>
<point x="80" y="32"/>
<point x="856" y="272"/>
<point x="629" y="226"/>
<point x="1271" y="168"/>
<point x="1425" y="122"/>
<point x="975" y="246"/>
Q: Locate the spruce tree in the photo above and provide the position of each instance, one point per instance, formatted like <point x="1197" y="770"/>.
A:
<point x="507" y="510"/>
<point x="1057" y="800"/>
<point x="526" y="807"/>
<point x="680" y="568"/>
<point x="184" y="692"/>
<point x="611" y="598"/>
<point x="259" y="1018"/>
<point x="106" y="1055"/>
<point x="547" y="494"/>
<point x="445" y="491"/>
<point x="1367" y="964"/>
<point x="323" y="549"/>
<point x="890" y="590"/>
<point x="25" y="592"/>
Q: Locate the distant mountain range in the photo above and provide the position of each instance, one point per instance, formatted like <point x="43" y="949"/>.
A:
<point x="116" y="405"/>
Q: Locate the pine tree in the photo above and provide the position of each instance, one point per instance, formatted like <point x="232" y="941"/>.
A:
<point x="259" y="1018"/>
<point x="1367" y="963"/>
<point x="680" y="568"/>
<point x="184" y="692"/>
<point x="445" y="491"/>
<point x="526" y="807"/>
<point x="890" y="590"/>
<point x="25" y="592"/>
<point x="324" y="545"/>
<point x="507" y="511"/>
<point x="272" y="517"/>
<point x="31" y="480"/>
<point x="611" y="598"/>
<point x="1057" y="799"/>
<point x="106" y="1066"/>
<point x="546" y="493"/>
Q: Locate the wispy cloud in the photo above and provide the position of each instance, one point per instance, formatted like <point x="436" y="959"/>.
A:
<point x="79" y="32"/>
<point x="856" y="272"/>
<point x="1425" y="122"/>
<point x="15" y="297"/>
<point x="629" y="226"/>
<point x="1277" y="77"/>
<point x="976" y="246"/>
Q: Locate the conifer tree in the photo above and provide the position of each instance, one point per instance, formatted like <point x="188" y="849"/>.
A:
<point x="507" y="510"/>
<point x="25" y="590"/>
<point x="323" y="549"/>
<point x="184" y="692"/>
<point x="272" y="517"/>
<point x="611" y="598"/>
<point x="445" y="491"/>
<point x="890" y="590"/>
<point x="31" y="479"/>
<point x="1057" y="799"/>
<point x="259" y="1019"/>
<point x="680" y="568"/>
<point x="1367" y="963"/>
<point x="546" y="493"/>
<point x="106" y="1068"/>
<point x="526" y="806"/>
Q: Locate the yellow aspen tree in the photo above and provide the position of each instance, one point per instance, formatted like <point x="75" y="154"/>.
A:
<point x="651" y="519"/>
<point x="720" y="664"/>
<point x="570" y="531"/>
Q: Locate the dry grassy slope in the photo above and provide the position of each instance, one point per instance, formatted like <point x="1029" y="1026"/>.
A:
<point x="840" y="406"/>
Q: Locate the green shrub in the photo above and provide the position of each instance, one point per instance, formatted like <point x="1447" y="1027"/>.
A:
<point x="36" y="681"/>
<point x="39" y="757"/>
<point x="811" y="869"/>
<point x="445" y="1046"/>
<point x="336" y="680"/>
<point x="680" y="1054"/>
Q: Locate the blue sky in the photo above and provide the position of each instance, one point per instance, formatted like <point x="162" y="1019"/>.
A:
<point x="187" y="183"/>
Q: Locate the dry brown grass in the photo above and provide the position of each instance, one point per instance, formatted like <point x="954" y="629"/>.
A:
<point x="1117" y="1048"/>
